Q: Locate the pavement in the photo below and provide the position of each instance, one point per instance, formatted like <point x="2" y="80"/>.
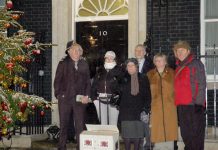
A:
<point x="43" y="143"/>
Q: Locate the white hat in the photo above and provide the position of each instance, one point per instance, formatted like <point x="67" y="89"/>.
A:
<point x="110" y="54"/>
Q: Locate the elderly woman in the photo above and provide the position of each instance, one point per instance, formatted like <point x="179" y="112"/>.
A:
<point x="135" y="98"/>
<point x="72" y="79"/>
<point x="105" y="84"/>
<point x="163" y="110"/>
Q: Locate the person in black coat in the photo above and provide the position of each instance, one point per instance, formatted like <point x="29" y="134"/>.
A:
<point x="144" y="60"/>
<point x="145" y="65"/>
<point x="107" y="81"/>
<point x="135" y="98"/>
<point x="72" y="78"/>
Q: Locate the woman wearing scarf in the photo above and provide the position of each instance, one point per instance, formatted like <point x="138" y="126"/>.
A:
<point x="107" y="82"/>
<point x="136" y="97"/>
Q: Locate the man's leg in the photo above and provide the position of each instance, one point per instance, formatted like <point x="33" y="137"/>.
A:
<point x="199" y="123"/>
<point x="186" y="125"/>
<point x="71" y="129"/>
<point x="64" y="112"/>
<point x="79" y="116"/>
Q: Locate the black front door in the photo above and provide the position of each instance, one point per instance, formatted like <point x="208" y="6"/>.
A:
<point x="97" y="38"/>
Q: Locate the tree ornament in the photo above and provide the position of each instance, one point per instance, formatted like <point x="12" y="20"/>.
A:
<point x="19" y="58"/>
<point x="8" y="120"/>
<point x="23" y="85"/>
<point x="42" y="113"/>
<point x="46" y="106"/>
<point x="4" y="106"/>
<point x="4" y="117"/>
<point x="4" y="84"/>
<point x="1" y="76"/>
<point x="19" y="114"/>
<point x="9" y="4"/>
<point x="16" y="80"/>
<point x="9" y="65"/>
<point x="1" y="53"/>
<point x="28" y="41"/>
<point x="23" y="106"/>
<point x="33" y="107"/>
<point x="36" y="52"/>
<point x="4" y="131"/>
<point x="7" y="25"/>
<point x="28" y="61"/>
<point x="15" y="16"/>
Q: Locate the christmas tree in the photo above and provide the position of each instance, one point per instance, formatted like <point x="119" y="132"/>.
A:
<point x="16" y="52"/>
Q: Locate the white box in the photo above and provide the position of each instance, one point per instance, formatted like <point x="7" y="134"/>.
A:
<point x="100" y="137"/>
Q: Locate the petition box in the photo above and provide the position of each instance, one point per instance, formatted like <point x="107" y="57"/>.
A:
<point x="100" y="137"/>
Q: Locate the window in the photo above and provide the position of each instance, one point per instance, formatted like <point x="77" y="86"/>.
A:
<point x="95" y="10"/>
<point x="209" y="37"/>
<point x="2" y="3"/>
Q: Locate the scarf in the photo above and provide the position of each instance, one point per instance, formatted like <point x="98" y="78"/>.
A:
<point x="134" y="84"/>
<point x="109" y="66"/>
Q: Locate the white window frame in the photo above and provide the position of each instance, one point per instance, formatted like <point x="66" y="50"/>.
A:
<point x="210" y="77"/>
<point x="2" y="6"/>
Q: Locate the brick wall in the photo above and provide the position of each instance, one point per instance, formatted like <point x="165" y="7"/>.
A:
<point x="183" y="23"/>
<point x="37" y="18"/>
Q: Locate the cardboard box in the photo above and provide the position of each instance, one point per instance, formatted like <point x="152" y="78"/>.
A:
<point x="100" y="137"/>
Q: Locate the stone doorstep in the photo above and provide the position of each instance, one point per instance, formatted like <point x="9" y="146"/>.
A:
<point x="22" y="141"/>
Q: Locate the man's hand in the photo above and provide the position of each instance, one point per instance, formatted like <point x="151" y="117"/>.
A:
<point x="85" y="100"/>
<point x="199" y="108"/>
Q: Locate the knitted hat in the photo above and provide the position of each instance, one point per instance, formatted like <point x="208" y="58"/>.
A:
<point x="110" y="54"/>
<point x="181" y="44"/>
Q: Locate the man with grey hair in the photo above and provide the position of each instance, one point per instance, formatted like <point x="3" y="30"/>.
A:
<point x="72" y="79"/>
<point x="145" y="64"/>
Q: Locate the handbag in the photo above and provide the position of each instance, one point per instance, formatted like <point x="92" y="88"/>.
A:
<point x="144" y="117"/>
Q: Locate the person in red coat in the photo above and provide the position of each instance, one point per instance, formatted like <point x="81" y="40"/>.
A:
<point x="190" y="96"/>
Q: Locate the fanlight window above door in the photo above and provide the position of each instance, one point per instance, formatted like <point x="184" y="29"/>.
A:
<point x="102" y="8"/>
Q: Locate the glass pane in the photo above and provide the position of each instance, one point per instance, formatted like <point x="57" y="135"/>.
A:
<point x="211" y="61"/>
<point x="211" y="10"/>
<point x="2" y="3"/>
<point x="211" y="34"/>
<point x="103" y="8"/>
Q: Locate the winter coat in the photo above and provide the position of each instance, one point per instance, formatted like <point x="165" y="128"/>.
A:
<point x="107" y="81"/>
<point x="70" y="82"/>
<point x="190" y="82"/>
<point x="148" y="65"/>
<point x="163" y="110"/>
<point x="131" y="106"/>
